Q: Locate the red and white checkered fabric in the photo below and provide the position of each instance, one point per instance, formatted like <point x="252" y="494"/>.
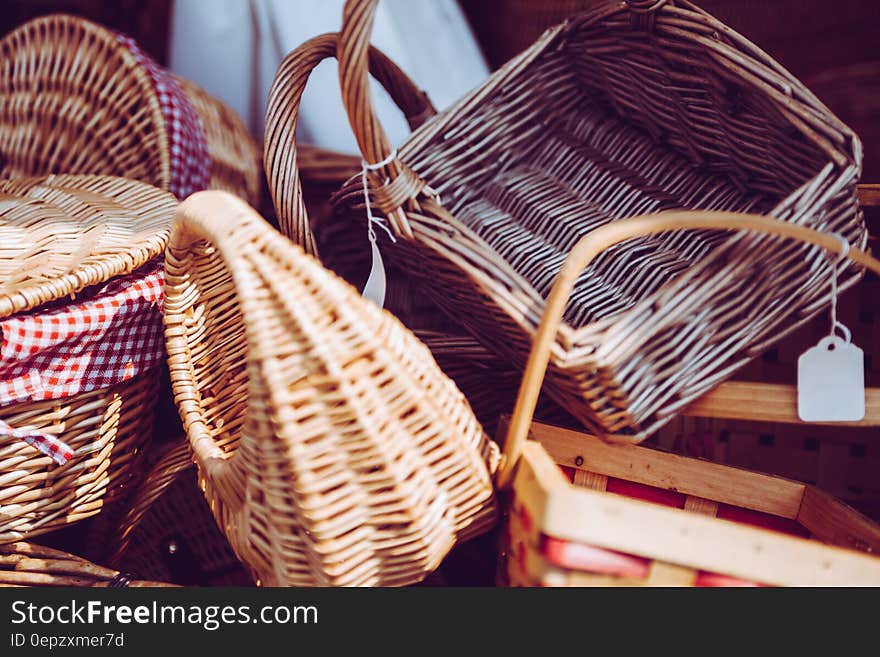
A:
<point x="68" y="348"/>
<point x="190" y="160"/>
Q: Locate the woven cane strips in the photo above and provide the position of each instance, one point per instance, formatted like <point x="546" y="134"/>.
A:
<point x="622" y="111"/>
<point x="78" y="98"/>
<point x="330" y="446"/>
<point x="28" y="564"/>
<point x="81" y="327"/>
<point x="168" y="532"/>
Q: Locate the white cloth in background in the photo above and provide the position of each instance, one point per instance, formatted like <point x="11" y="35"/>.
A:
<point x="233" y="47"/>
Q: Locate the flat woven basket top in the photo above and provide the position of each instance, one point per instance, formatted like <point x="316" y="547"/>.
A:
<point x="61" y="234"/>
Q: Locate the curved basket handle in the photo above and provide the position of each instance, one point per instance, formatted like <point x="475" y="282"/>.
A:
<point x="587" y="249"/>
<point x="282" y="111"/>
<point x="229" y="225"/>
<point x="354" y="44"/>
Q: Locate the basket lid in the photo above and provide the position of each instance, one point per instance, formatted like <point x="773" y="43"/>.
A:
<point x="61" y="234"/>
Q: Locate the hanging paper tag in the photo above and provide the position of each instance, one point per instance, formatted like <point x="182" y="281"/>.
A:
<point x="831" y="382"/>
<point x="374" y="290"/>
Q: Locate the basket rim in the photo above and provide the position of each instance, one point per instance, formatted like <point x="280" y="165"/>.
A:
<point x="156" y="212"/>
<point x="542" y="488"/>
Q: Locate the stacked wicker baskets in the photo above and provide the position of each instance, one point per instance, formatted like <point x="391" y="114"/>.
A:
<point x="80" y="310"/>
<point x="636" y="206"/>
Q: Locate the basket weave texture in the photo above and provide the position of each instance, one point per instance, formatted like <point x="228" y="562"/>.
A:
<point x="62" y="235"/>
<point x="630" y="109"/>
<point x="168" y="532"/>
<point x="28" y="564"/>
<point x="331" y="447"/>
<point x="80" y="99"/>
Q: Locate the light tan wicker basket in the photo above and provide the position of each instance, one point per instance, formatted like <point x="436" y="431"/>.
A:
<point x="331" y="447"/>
<point x="77" y="98"/>
<point x="28" y="564"/>
<point x="633" y="108"/>
<point x="62" y="234"/>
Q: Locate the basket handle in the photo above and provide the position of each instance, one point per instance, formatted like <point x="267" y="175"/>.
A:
<point x="225" y="223"/>
<point x="401" y="181"/>
<point x="282" y="110"/>
<point x="587" y="249"/>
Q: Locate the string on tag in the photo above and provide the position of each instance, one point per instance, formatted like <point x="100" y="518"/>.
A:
<point x="831" y="375"/>
<point x="366" y="167"/>
<point x="835" y="325"/>
<point x="375" y="286"/>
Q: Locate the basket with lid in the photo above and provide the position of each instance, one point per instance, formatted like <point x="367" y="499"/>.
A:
<point x="81" y="323"/>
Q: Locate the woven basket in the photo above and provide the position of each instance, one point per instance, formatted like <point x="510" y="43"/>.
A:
<point x="61" y="235"/>
<point x="628" y="110"/>
<point x="27" y="564"/>
<point x="78" y="98"/>
<point x="331" y="448"/>
<point x="561" y="534"/>
<point x="168" y="532"/>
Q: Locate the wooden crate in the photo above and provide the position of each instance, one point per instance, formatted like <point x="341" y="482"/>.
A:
<point x="630" y="515"/>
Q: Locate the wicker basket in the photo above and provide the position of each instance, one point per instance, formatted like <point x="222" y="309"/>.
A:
<point x="331" y="448"/>
<point x="168" y="532"/>
<point x="78" y="98"/>
<point x="27" y="564"/>
<point x="561" y="534"/>
<point x="628" y="110"/>
<point x="62" y="235"/>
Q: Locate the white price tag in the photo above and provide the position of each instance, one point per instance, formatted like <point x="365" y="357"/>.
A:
<point x="831" y="382"/>
<point x="374" y="290"/>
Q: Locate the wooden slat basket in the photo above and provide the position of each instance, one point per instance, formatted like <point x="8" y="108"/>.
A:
<point x="632" y="108"/>
<point x="723" y="526"/>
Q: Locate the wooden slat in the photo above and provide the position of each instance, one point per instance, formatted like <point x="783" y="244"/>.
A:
<point x="591" y="480"/>
<point x="832" y="521"/>
<point x="869" y="195"/>
<point x="661" y="573"/>
<point x="688" y="539"/>
<point x="769" y="402"/>
<point x="720" y="483"/>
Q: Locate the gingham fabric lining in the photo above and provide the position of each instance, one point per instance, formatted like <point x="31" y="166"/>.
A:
<point x="70" y="348"/>
<point x="190" y="160"/>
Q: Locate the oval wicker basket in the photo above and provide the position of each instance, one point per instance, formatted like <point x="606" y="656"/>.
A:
<point x="63" y="236"/>
<point x="330" y="446"/>
<point x="633" y="108"/>
<point x="27" y="564"/>
<point x="78" y="98"/>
